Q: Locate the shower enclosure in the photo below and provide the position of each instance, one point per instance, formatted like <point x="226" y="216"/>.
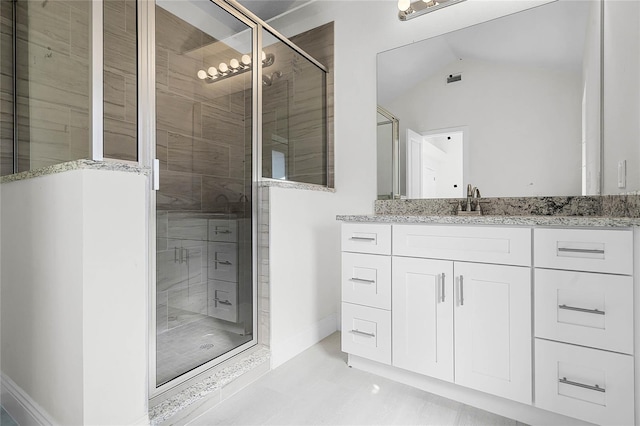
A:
<point x="233" y="99"/>
<point x="187" y="89"/>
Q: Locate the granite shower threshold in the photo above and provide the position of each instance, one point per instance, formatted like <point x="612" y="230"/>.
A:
<point x="234" y="369"/>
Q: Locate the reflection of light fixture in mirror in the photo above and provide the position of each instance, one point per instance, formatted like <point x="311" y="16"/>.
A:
<point x="408" y="10"/>
<point x="234" y="67"/>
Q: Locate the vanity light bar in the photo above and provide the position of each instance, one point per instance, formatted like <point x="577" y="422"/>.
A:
<point x="234" y="67"/>
<point x="410" y="10"/>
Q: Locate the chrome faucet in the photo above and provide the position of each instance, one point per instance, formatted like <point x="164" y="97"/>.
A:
<point x="473" y="194"/>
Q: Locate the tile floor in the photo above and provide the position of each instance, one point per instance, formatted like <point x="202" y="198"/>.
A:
<point x="183" y="348"/>
<point x="318" y="388"/>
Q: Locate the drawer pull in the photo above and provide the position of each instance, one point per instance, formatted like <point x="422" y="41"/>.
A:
<point x="578" y="250"/>
<point x="360" y="280"/>
<point x="588" y="311"/>
<point x="581" y="385"/>
<point x="362" y="238"/>
<point x="222" y="232"/>
<point x="222" y="262"/>
<point x="223" y="302"/>
<point x="363" y="333"/>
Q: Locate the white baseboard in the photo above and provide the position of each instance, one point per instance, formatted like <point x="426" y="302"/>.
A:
<point x="282" y="352"/>
<point x="24" y="410"/>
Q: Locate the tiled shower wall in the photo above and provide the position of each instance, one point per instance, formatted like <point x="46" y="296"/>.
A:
<point x="6" y="88"/>
<point x="53" y="81"/>
<point x="293" y="109"/>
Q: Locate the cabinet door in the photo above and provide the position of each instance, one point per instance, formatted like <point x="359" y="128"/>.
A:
<point x="422" y="316"/>
<point x="493" y="329"/>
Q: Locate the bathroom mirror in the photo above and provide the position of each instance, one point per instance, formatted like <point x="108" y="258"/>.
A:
<point x="511" y="106"/>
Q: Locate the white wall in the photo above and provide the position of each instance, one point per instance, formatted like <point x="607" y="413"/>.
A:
<point x="362" y="29"/>
<point x="505" y="160"/>
<point x="74" y="320"/>
<point x="621" y="93"/>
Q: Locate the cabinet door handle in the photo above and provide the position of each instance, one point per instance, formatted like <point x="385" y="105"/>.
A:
<point x="222" y="262"/>
<point x="360" y="280"/>
<point x="461" y="290"/>
<point x="363" y="333"/>
<point x="223" y="302"/>
<point x="362" y="238"/>
<point x="222" y="232"/>
<point x="579" y="250"/>
<point x="588" y="311"/>
<point x="596" y="388"/>
<point x="442" y="286"/>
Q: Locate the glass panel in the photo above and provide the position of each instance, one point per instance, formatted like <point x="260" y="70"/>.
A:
<point x="294" y="129"/>
<point x="6" y="88"/>
<point x="52" y="81"/>
<point x="204" y="144"/>
<point x="120" y="82"/>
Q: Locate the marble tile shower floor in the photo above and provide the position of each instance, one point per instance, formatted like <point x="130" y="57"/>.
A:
<point x="183" y="348"/>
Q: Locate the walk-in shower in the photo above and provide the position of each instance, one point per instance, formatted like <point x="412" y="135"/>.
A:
<point x="205" y="98"/>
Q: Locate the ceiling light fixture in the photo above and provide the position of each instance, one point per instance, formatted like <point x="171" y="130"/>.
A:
<point x="409" y="10"/>
<point x="234" y="67"/>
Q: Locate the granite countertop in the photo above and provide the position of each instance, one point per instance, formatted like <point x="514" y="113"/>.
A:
<point x="108" y="165"/>
<point x="587" y="221"/>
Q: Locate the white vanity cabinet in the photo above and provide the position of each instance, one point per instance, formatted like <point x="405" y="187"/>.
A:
<point x="435" y="301"/>
<point x="483" y="310"/>
<point x="366" y="291"/>
<point x="504" y="310"/>
<point x="584" y="324"/>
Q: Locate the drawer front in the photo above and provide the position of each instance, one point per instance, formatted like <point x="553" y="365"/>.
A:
<point x="223" y="300"/>
<point x="366" y="238"/>
<point x="584" y="308"/>
<point x="223" y="261"/>
<point x="366" y="332"/>
<point x="224" y="230"/>
<point x="593" y="250"/>
<point x="588" y="384"/>
<point x="366" y="280"/>
<point x="508" y="246"/>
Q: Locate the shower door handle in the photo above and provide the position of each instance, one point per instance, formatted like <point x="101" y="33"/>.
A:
<point x="155" y="172"/>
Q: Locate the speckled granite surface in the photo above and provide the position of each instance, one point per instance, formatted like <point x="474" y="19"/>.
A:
<point x="294" y="185"/>
<point x="625" y="206"/>
<point x="586" y="221"/>
<point x="77" y="165"/>
<point x="168" y="408"/>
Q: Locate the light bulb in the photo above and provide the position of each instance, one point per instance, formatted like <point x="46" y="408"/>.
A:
<point x="404" y="5"/>
<point x="264" y="56"/>
<point x="246" y="60"/>
<point x="234" y="64"/>
<point x="212" y="71"/>
<point x="202" y="74"/>
<point x="223" y="67"/>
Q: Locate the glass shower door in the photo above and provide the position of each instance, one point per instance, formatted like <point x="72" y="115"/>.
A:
<point x="204" y="285"/>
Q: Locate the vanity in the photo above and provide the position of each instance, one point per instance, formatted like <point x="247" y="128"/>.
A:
<point x="531" y="317"/>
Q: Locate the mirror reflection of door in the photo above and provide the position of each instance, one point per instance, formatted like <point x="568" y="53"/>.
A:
<point x="435" y="164"/>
